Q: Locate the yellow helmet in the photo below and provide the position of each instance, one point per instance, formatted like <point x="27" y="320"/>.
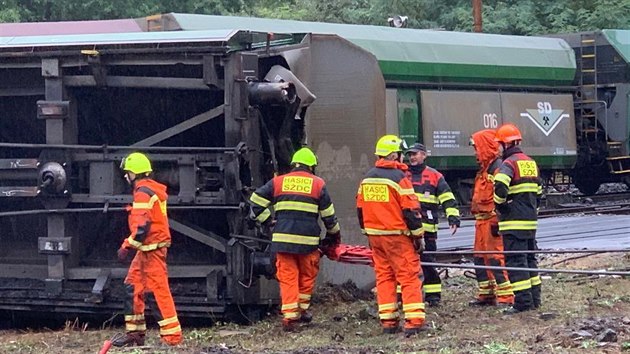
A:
<point x="388" y="144"/>
<point x="137" y="163"/>
<point x="304" y="156"/>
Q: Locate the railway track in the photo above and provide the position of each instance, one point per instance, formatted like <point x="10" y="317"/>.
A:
<point x="605" y="203"/>
<point x="578" y="230"/>
<point x="604" y="197"/>
<point x="620" y="208"/>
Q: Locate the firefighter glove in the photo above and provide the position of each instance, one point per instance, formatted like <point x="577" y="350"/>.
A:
<point x="453" y="220"/>
<point x="332" y="240"/>
<point x="494" y="229"/>
<point x="266" y="228"/>
<point x="330" y="243"/>
<point x="418" y="244"/>
<point x="122" y="254"/>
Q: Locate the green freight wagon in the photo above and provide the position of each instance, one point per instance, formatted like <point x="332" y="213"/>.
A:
<point x="602" y="104"/>
<point x="436" y="87"/>
<point x="440" y="87"/>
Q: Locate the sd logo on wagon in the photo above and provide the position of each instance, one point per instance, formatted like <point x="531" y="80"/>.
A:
<point x="297" y="184"/>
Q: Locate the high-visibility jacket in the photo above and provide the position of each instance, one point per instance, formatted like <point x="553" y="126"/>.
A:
<point x="148" y="221"/>
<point x="386" y="203"/>
<point x="487" y="153"/>
<point x="517" y="189"/>
<point x="432" y="190"/>
<point x="298" y="199"/>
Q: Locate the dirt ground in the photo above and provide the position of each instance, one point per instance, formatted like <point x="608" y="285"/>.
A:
<point x="579" y="315"/>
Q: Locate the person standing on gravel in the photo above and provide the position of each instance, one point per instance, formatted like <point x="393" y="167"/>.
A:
<point x="494" y="285"/>
<point x="150" y="237"/>
<point x="517" y="191"/>
<point x="298" y="198"/>
<point x="389" y="214"/>
<point x="432" y="191"/>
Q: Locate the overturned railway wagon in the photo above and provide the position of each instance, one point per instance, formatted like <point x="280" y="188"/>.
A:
<point x="220" y="103"/>
<point x="73" y="106"/>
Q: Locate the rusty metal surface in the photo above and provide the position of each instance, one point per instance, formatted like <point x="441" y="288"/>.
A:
<point x="343" y="125"/>
<point x="68" y="27"/>
<point x="592" y="231"/>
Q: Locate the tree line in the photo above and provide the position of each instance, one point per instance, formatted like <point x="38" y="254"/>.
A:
<point x="520" y="17"/>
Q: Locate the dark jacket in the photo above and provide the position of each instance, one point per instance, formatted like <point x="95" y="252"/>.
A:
<point x="299" y="199"/>
<point x="517" y="191"/>
<point x="432" y="191"/>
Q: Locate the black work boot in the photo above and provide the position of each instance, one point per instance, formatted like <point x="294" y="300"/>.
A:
<point x="412" y="331"/>
<point x="536" y="296"/>
<point x="390" y="330"/>
<point x="130" y="339"/>
<point x="306" y="317"/>
<point x="433" y="302"/>
<point x="289" y="326"/>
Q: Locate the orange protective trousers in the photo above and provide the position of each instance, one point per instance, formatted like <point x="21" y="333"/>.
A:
<point x="493" y="284"/>
<point x="396" y="262"/>
<point x="148" y="275"/>
<point x="296" y="274"/>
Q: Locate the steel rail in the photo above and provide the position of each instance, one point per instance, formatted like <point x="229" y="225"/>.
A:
<point x="539" y="270"/>
<point x="609" y="208"/>
<point x="543" y="251"/>
<point x="606" y="196"/>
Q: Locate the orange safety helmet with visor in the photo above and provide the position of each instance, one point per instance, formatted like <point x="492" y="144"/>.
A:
<point x="508" y="133"/>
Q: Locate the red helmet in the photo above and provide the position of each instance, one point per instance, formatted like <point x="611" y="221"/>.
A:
<point x="508" y="133"/>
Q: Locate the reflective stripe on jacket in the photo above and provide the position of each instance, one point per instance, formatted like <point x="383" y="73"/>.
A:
<point x="148" y="220"/>
<point x="386" y="202"/>
<point x="432" y="191"/>
<point x="517" y="189"/>
<point x="299" y="199"/>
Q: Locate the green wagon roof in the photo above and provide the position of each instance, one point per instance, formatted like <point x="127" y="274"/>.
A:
<point x="425" y="55"/>
<point x="228" y="39"/>
<point x="620" y="39"/>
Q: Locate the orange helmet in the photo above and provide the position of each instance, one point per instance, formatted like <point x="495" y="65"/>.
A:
<point x="508" y="133"/>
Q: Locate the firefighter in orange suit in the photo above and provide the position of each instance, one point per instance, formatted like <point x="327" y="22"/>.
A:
<point x="389" y="214"/>
<point x="517" y="191"/>
<point x="299" y="199"/>
<point x="494" y="285"/>
<point x="150" y="238"/>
